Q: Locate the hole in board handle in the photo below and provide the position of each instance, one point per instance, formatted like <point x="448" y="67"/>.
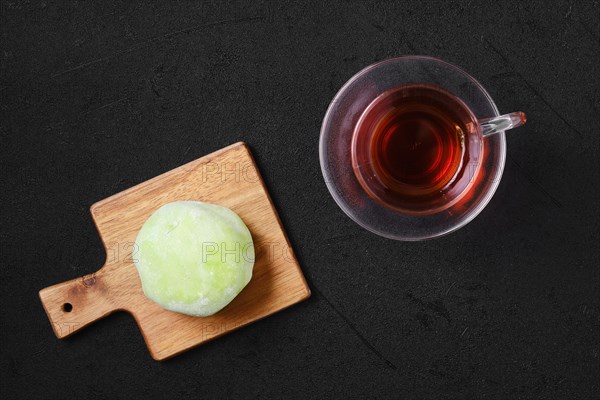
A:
<point x="67" y="307"/>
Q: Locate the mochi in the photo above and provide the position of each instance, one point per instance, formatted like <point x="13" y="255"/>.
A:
<point x="193" y="257"/>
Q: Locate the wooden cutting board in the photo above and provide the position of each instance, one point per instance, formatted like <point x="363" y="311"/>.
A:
<point x="228" y="177"/>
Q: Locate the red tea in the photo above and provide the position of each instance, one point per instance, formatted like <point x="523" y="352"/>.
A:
<point x="416" y="149"/>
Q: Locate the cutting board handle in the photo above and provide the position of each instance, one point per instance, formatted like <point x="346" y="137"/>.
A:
<point x="77" y="303"/>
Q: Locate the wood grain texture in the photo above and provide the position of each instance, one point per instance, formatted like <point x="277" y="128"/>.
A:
<point x="227" y="177"/>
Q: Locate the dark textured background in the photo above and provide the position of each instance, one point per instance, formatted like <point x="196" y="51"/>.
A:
<point x="99" y="97"/>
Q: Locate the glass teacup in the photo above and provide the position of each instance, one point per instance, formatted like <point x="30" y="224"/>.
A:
<point x="413" y="147"/>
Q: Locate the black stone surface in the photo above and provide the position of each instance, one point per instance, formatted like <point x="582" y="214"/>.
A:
<point x="97" y="97"/>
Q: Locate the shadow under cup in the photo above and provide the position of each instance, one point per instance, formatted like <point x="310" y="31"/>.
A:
<point x="417" y="149"/>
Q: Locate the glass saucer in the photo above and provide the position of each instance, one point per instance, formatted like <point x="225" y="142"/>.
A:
<point x="336" y="137"/>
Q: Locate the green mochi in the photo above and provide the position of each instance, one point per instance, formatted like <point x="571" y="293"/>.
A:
<point x="194" y="257"/>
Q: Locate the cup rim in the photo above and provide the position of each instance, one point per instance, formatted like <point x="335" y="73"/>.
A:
<point x="362" y="179"/>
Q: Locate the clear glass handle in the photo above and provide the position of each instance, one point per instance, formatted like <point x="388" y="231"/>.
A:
<point x="491" y="126"/>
